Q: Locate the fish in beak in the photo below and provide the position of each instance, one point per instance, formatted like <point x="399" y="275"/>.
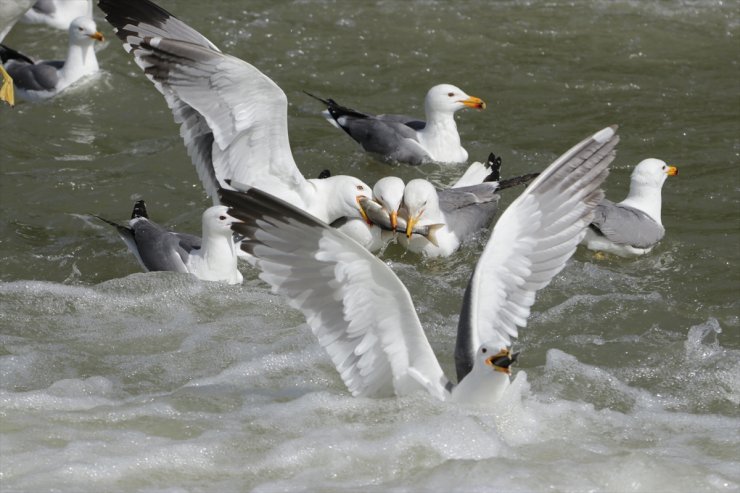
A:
<point x="502" y="360"/>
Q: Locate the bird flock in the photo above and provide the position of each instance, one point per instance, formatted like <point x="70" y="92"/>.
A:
<point x="315" y="240"/>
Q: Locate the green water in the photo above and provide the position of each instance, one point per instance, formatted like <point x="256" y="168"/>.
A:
<point x="633" y="364"/>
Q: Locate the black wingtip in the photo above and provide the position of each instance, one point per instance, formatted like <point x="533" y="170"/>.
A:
<point x="139" y="210"/>
<point x="494" y="162"/>
<point x="122" y="12"/>
<point x="517" y="180"/>
<point x="325" y="101"/>
<point x="324" y="174"/>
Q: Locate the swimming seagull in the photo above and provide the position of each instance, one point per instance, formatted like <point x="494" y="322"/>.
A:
<point x="633" y="226"/>
<point x="210" y="258"/>
<point x="233" y="118"/>
<point x="35" y="81"/>
<point x="363" y="315"/>
<point x="405" y="139"/>
<point x="461" y="212"/>
<point x="57" y="13"/>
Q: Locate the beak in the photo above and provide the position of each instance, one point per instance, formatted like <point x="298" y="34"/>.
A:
<point x="97" y="36"/>
<point x="473" y="102"/>
<point x="410" y="223"/>
<point x="502" y="360"/>
<point x="394" y="220"/>
<point x="672" y="171"/>
<point x="359" y="200"/>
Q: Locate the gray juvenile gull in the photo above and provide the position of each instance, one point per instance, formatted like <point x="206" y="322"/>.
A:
<point x="233" y="118"/>
<point x="405" y="139"/>
<point x="363" y="315"/>
<point x="633" y="226"/>
<point x="210" y="258"/>
<point x="57" y="13"/>
<point x="35" y="81"/>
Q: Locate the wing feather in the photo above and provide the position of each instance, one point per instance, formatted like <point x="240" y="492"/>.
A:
<point x="357" y="308"/>
<point x="233" y="118"/>
<point x="530" y="244"/>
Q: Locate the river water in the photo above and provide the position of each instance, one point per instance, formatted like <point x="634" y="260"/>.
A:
<point x="629" y="378"/>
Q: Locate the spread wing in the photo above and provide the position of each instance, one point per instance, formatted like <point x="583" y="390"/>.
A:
<point x="233" y="118"/>
<point x="358" y="309"/>
<point x="530" y="244"/>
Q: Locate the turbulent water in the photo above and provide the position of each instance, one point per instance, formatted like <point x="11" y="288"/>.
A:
<point x="629" y="378"/>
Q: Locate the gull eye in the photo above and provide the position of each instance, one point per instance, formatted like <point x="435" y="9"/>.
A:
<point x="450" y="94"/>
<point x="79" y="29"/>
<point x="484" y="350"/>
<point x="222" y="218"/>
<point x="360" y="187"/>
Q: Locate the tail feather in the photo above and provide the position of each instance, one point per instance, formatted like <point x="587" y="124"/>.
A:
<point x="139" y="210"/>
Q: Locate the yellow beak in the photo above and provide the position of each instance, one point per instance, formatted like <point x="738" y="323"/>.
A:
<point x="672" y="171"/>
<point x="394" y="220"/>
<point x="473" y="102"/>
<point x="97" y="36"/>
<point x="362" y="209"/>
<point x="410" y="225"/>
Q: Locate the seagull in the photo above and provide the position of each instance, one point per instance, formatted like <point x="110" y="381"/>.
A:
<point x="35" y="81"/>
<point x="405" y="139"/>
<point x="633" y="226"/>
<point x="363" y="315"/>
<point x="210" y="258"/>
<point x="57" y="13"/>
<point x="233" y="118"/>
<point x="10" y="13"/>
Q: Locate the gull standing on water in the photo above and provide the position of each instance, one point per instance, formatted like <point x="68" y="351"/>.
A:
<point x="35" y="81"/>
<point x="210" y="258"/>
<point x="363" y="315"/>
<point x="233" y="119"/>
<point x="633" y="226"/>
<point x="405" y="139"/>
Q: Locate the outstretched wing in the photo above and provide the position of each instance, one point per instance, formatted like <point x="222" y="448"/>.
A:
<point x="233" y="118"/>
<point x="530" y="244"/>
<point x="358" y="309"/>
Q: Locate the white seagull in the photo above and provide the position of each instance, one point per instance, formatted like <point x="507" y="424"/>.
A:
<point x="633" y="226"/>
<point x="57" y="13"/>
<point x="210" y="258"/>
<point x="363" y="315"/>
<point x="405" y="139"/>
<point x="233" y="118"/>
<point x="35" y="81"/>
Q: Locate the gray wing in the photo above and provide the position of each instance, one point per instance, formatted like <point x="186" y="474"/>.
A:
<point x="626" y="225"/>
<point x="409" y="121"/>
<point x="391" y="139"/>
<point x="468" y="209"/>
<point x="156" y="248"/>
<point x="42" y="76"/>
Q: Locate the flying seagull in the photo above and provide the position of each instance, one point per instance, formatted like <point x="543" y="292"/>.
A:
<point x="363" y="315"/>
<point x="233" y="118"/>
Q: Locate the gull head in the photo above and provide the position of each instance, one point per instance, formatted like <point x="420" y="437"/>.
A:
<point x="388" y="192"/>
<point x="83" y="31"/>
<point x="217" y="221"/>
<point x="446" y="98"/>
<point x="420" y="199"/>
<point x="652" y="172"/>
<point x="349" y="192"/>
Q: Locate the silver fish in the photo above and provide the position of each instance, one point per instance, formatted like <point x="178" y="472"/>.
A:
<point x="381" y="218"/>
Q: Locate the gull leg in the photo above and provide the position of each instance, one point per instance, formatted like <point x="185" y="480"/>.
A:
<point x="6" y="91"/>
